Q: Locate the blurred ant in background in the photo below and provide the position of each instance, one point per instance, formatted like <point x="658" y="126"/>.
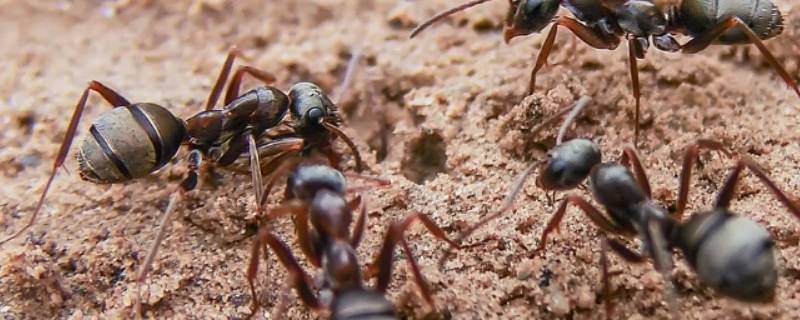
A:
<point x="602" y="24"/>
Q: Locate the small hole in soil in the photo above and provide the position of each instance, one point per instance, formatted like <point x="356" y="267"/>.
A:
<point x="25" y="121"/>
<point x="426" y="157"/>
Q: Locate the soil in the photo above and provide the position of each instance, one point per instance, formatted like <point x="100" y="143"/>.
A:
<point x="445" y="117"/>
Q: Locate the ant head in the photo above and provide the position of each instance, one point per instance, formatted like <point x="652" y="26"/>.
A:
<point x="732" y="254"/>
<point x="306" y="180"/>
<point x="568" y="164"/>
<point x="529" y="16"/>
<point x="309" y="104"/>
<point x="641" y="18"/>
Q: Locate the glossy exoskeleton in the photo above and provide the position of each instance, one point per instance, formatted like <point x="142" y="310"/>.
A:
<point x="133" y="140"/>
<point x="730" y="253"/>
<point x="322" y="214"/>
<point x="602" y="24"/>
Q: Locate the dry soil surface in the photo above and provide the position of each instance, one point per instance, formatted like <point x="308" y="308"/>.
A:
<point x="444" y="116"/>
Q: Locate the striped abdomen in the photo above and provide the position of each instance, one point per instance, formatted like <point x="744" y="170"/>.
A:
<point x="762" y="16"/>
<point x="129" y="142"/>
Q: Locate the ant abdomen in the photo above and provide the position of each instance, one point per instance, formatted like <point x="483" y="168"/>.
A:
<point x="732" y="254"/>
<point x="569" y="164"/>
<point x="129" y="142"/>
<point x="361" y="304"/>
<point x="763" y="17"/>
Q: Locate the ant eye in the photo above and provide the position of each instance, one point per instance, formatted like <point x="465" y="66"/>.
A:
<point x="315" y="115"/>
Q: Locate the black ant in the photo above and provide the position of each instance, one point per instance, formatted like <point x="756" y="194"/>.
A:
<point x="133" y="140"/>
<point x="317" y="196"/>
<point x="602" y="24"/>
<point x="730" y="253"/>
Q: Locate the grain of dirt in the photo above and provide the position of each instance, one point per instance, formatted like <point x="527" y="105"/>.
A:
<point x="444" y="116"/>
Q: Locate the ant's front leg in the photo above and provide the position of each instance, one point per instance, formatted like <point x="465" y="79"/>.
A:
<point x="597" y="218"/>
<point x="394" y="235"/>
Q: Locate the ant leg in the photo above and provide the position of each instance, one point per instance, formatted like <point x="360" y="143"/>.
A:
<point x="592" y="37"/>
<point x="689" y="158"/>
<point x="213" y="96"/>
<point x="297" y="276"/>
<point x="236" y="81"/>
<point x="444" y="14"/>
<point x="508" y="204"/>
<point x="728" y="189"/>
<point x="240" y="143"/>
<point x="659" y="248"/>
<point x="597" y="218"/>
<point x="332" y="128"/>
<point x="370" y="182"/>
<point x="395" y="235"/>
<point x="278" y="167"/>
<point x="255" y="168"/>
<point x="606" y="277"/>
<point x="630" y="158"/>
<point x="166" y="218"/>
<point x="704" y="40"/>
<point x="361" y="221"/>
<point x="114" y="99"/>
<point x="279" y="147"/>
<point x="280" y="151"/>
<point x="577" y="108"/>
<point x="299" y="211"/>
<point x="633" y="48"/>
<point x="235" y="148"/>
<point x="349" y="73"/>
<point x="188" y="184"/>
<point x="572" y="113"/>
<point x="626" y="254"/>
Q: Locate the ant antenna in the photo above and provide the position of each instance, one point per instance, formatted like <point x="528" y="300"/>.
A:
<point x="445" y="14"/>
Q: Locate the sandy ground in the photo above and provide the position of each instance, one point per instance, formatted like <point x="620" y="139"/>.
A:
<point x="443" y="116"/>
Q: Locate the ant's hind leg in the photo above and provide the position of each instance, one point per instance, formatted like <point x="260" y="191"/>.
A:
<point x="298" y="278"/>
<point x="729" y="187"/>
<point x="689" y="158"/>
<point x="188" y="184"/>
<point x="704" y="40"/>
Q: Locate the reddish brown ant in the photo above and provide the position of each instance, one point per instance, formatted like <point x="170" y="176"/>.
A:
<point x="317" y="196"/>
<point x="602" y="24"/>
<point x="133" y="140"/>
<point x="730" y="253"/>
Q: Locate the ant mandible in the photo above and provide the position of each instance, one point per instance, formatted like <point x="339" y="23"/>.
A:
<point x="317" y="196"/>
<point x="603" y="23"/>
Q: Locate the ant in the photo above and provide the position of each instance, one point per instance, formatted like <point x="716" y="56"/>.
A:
<point x="318" y="196"/>
<point x="603" y="23"/>
<point x="133" y="140"/>
<point x="730" y="253"/>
